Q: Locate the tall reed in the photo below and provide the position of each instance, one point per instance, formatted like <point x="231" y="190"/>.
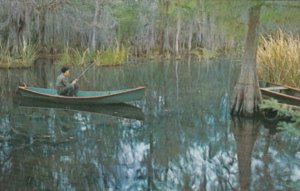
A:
<point x="25" y="58"/>
<point x="111" y="56"/>
<point x="278" y="58"/>
<point x="75" y="57"/>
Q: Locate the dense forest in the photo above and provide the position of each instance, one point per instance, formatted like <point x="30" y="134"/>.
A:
<point x="140" y="26"/>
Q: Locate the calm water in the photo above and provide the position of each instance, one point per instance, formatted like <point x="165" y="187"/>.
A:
<point x="179" y="137"/>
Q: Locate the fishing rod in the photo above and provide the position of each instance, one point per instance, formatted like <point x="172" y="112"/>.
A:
<point x="87" y="68"/>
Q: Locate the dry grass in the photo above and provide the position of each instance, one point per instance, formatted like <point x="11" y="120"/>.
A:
<point x="278" y="59"/>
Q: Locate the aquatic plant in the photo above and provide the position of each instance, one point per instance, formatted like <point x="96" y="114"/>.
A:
<point x="65" y="57"/>
<point x="81" y="57"/>
<point x="76" y="57"/>
<point x="283" y="111"/>
<point x="5" y="59"/>
<point x="204" y="53"/>
<point x="25" y="58"/>
<point x="278" y="58"/>
<point x="29" y="55"/>
<point x="111" y="56"/>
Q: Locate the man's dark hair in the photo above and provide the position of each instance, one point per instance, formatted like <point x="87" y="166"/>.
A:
<point x="64" y="69"/>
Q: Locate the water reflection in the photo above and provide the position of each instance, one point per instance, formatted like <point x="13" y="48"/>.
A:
<point x="184" y="139"/>
<point x="245" y="133"/>
<point x="118" y="110"/>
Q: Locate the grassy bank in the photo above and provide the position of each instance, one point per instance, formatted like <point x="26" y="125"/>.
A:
<point x="80" y="57"/>
<point x="67" y="56"/>
<point x="278" y="57"/>
<point x="110" y="56"/>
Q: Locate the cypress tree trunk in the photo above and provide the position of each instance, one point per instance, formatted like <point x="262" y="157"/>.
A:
<point x="247" y="95"/>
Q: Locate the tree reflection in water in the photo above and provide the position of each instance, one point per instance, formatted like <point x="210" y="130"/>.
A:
<point x="245" y="133"/>
<point x="184" y="141"/>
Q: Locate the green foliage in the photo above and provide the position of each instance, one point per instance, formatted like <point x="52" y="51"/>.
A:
<point x="231" y="16"/>
<point x="111" y="56"/>
<point x="25" y="58"/>
<point x="65" y="57"/>
<point x="280" y="14"/>
<point x="182" y="7"/>
<point x="28" y="55"/>
<point x="81" y="57"/>
<point x="284" y="110"/>
<point x="188" y="5"/>
<point x="5" y="59"/>
<point x="75" y="57"/>
<point x="127" y="16"/>
<point x="204" y="53"/>
<point x="290" y="128"/>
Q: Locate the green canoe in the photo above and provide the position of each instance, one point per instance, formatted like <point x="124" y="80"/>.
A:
<point x="84" y="97"/>
<point x="285" y="95"/>
<point x="282" y="93"/>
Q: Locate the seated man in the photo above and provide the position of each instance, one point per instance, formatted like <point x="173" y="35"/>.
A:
<point x="63" y="86"/>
